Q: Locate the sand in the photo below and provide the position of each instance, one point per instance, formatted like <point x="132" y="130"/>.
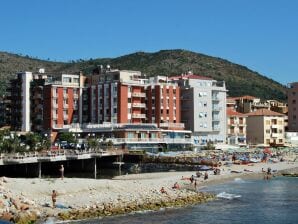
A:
<point x="87" y="193"/>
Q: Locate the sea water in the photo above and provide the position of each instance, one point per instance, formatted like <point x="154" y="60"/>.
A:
<point x="240" y="201"/>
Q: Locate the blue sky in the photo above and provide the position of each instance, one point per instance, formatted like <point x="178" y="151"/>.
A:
<point x="260" y="34"/>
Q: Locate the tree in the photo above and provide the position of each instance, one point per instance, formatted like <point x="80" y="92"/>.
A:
<point x="93" y="143"/>
<point x="33" y="140"/>
<point x="67" y="136"/>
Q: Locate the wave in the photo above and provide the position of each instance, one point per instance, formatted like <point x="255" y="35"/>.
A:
<point x="239" y="180"/>
<point x="227" y="196"/>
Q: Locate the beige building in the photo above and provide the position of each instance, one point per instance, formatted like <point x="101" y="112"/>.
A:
<point x="265" y="127"/>
<point x="236" y="127"/>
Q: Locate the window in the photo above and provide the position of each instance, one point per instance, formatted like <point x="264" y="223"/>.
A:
<point x="294" y="101"/>
<point x="115" y="110"/>
<point x="294" y="117"/>
<point x="205" y="104"/>
<point x="268" y="131"/>
<point x="280" y="140"/>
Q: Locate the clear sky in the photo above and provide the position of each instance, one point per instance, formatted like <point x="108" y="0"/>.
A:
<point x="260" y="34"/>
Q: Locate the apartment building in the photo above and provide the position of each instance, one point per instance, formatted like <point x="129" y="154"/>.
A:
<point x="292" y="93"/>
<point x="236" y="127"/>
<point x="203" y="107"/>
<point x="63" y="101"/>
<point x="265" y="127"/>
<point x="4" y="111"/>
<point x="42" y="102"/>
<point x="122" y="96"/>
<point x="149" y="109"/>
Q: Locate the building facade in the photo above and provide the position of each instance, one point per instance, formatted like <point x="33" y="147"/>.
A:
<point x="265" y="127"/>
<point x="203" y="107"/>
<point x="147" y="109"/>
<point x="236" y="127"/>
<point x="292" y="93"/>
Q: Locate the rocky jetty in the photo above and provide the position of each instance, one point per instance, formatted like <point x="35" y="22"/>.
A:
<point x="16" y="208"/>
<point x="153" y="202"/>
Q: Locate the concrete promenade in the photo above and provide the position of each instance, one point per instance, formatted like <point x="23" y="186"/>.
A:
<point x="56" y="155"/>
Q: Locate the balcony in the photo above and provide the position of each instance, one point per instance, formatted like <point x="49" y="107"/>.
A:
<point x="75" y="96"/>
<point x="216" y="108"/>
<point x="171" y="125"/>
<point x="138" y="115"/>
<point x="55" y="105"/>
<point x="275" y="126"/>
<point x="216" y="128"/>
<point x="215" y="98"/>
<point x="65" y="116"/>
<point x="215" y="118"/>
<point x="65" y="106"/>
<point x="275" y="135"/>
<point x="139" y="105"/>
<point x="138" y="94"/>
<point x="54" y="116"/>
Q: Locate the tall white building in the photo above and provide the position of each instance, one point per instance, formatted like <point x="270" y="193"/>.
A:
<point x="203" y="107"/>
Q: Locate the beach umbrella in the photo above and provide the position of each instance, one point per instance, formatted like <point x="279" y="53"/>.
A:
<point x="267" y="151"/>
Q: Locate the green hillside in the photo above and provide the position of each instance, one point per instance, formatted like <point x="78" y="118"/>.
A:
<point x="239" y="79"/>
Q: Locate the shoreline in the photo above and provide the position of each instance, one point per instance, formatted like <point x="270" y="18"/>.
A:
<point x="90" y="198"/>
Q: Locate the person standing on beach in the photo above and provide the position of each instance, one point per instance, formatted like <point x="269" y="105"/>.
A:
<point x="62" y="171"/>
<point x="54" y="198"/>
<point x="195" y="184"/>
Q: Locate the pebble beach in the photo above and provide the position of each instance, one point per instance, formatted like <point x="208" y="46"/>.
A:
<point x="24" y="199"/>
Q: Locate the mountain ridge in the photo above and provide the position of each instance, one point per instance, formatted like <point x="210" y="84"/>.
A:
<point x="239" y="79"/>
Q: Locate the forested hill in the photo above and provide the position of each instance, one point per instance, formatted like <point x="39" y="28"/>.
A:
<point x="239" y="79"/>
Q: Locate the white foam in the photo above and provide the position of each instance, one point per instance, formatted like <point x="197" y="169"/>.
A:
<point x="227" y="196"/>
<point x="239" y="180"/>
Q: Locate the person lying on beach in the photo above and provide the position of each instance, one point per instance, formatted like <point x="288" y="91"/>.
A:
<point x="163" y="191"/>
<point x="185" y="178"/>
<point x="176" y="186"/>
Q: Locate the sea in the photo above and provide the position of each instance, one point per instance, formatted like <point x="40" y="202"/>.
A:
<point x="272" y="201"/>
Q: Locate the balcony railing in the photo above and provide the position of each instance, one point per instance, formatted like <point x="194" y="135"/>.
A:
<point x="151" y="140"/>
<point x="216" y="108"/>
<point x="138" y="94"/>
<point x="139" y="105"/>
<point x="171" y="125"/>
<point x="275" y="135"/>
<point x="138" y="115"/>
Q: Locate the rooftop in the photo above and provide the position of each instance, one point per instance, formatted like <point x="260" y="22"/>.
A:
<point x="189" y="76"/>
<point x="231" y="112"/>
<point x="264" y="112"/>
